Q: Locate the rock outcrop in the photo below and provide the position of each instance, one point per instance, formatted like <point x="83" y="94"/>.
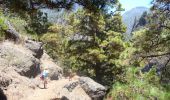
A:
<point x="35" y="47"/>
<point x="95" y="90"/>
<point x="161" y="64"/>
<point x="20" y="58"/>
<point x="90" y="89"/>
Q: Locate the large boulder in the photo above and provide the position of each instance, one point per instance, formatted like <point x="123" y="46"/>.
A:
<point x="79" y="94"/>
<point x="35" y="47"/>
<point x="55" y="72"/>
<point x="87" y="86"/>
<point x="95" y="90"/>
<point x="20" y="58"/>
<point x="76" y="93"/>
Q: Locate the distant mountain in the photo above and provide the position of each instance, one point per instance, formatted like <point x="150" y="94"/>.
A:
<point x="132" y="17"/>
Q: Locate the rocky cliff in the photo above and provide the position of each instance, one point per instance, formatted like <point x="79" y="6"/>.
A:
<point x="131" y="17"/>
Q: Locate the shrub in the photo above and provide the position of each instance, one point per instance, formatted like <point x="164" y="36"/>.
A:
<point x="139" y="87"/>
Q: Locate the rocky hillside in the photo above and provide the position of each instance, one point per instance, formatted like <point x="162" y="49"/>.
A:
<point x="20" y="67"/>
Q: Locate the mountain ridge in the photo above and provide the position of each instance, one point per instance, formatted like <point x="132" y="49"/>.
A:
<point x="129" y="18"/>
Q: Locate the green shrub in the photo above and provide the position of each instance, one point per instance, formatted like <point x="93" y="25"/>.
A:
<point x="139" y="87"/>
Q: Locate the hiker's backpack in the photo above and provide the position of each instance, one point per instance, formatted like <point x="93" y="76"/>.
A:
<point x="45" y="73"/>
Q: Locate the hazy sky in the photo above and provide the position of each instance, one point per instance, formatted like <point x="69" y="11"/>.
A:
<point x="129" y="4"/>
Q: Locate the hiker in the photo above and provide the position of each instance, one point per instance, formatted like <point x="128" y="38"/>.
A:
<point x="44" y="76"/>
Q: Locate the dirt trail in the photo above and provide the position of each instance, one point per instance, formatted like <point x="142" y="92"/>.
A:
<point x="53" y="87"/>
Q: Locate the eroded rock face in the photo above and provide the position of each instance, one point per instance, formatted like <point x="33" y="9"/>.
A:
<point x="95" y="90"/>
<point x="35" y="47"/>
<point x="20" y="58"/>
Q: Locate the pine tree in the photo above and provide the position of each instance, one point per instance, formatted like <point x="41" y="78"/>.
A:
<point x="96" y="45"/>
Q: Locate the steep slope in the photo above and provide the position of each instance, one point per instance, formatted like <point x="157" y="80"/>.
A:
<point x="129" y="18"/>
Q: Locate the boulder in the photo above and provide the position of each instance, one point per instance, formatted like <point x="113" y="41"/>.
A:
<point x="55" y="72"/>
<point x="20" y="58"/>
<point x="79" y="94"/>
<point x="159" y="63"/>
<point x="35" y="47"/>
<point x="76" y="94"/>
<point x="95" y="90"/>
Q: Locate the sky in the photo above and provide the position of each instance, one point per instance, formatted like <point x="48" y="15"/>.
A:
<point x="129" y="4"/>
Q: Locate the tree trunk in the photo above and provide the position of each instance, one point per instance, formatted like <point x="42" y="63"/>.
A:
<point x="98" y="74"/>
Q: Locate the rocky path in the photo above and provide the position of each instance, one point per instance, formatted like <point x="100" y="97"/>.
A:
<point x="19" y="62"/>
<point x="51" y="93"/>
<point x="65" y="89"/>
